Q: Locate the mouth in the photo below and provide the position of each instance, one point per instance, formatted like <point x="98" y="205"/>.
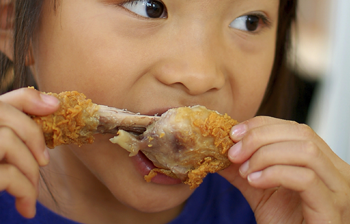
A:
<point x="144" y="166"/>
<point x="159" y="111"/>
<point x="182" y="144"/>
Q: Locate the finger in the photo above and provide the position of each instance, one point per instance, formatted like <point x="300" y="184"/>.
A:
<point x="15" y="152"/>
<point x="238" y="131"/>
<point x="302" y="131"/>
<point x="295" y="153"/>
<point x="16" y="184"/>
<point x="31" y="101"/>
<point x="268" y="134"/>
<point x="251" y="194"/>
<point x="26" y="129"/>
<point x="312" y="190"/>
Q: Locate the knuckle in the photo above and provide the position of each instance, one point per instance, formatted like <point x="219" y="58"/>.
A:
<point x="262" y="156"/>
<point x="3" y="106"/>
<point x="310" y="149"/>
<point x="34" y="128"/>
<point x="269" y="174"/>
<point x="293" y="122"/>
<point x="250" y="138"/>
<point x="311" y="179"/>
<point x="25" y="91"/>
<point x="306" y="131"/>
<point x="10" y="170"/>
<point x="26" y="95"/>
<point x="7" y="135"/>
<point x="261" y="120"/>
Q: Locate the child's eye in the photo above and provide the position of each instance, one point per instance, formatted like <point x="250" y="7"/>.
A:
<point x="147" y="8"/>
<point x="248" y="23"/>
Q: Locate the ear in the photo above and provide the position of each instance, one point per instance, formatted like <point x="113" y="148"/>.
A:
<point x="7" y="12"/>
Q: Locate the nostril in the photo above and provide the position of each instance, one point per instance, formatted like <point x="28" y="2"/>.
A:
<point x="197" y="84"/>
<point x="193" y="73"/>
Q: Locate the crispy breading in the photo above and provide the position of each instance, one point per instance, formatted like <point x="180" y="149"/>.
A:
<point x="217" y="126"/>
<point x="207" y="165"/>
<point x="155" y="171"/>
<point x="73" y="123"/>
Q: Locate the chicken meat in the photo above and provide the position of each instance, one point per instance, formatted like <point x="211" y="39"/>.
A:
<point x="185" y="143"/>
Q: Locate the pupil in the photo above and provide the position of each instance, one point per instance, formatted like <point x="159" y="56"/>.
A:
<point x="252" y="23"/>
<point x="154" y="9"/>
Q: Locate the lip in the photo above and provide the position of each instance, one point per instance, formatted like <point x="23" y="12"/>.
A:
<point x="159" y="111"/>
<point x="144" y="166"/>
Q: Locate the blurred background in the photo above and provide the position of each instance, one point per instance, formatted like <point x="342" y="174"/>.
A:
<point x="322" y="58"/>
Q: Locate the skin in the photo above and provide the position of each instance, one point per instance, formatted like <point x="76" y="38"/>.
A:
<point x="191" y="57"/>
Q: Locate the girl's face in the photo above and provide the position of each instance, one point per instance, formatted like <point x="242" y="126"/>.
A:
<point x="147" y="57"/>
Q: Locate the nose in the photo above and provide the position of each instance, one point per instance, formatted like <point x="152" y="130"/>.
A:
<point x="192" y="63"/>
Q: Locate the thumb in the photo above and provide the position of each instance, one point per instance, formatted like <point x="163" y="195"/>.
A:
<point x="31" y="101"/>
<point x="251" y="194"/>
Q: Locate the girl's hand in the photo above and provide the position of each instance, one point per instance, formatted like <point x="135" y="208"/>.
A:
<point x="22" y="146"/>
<point x="288" y="174"/>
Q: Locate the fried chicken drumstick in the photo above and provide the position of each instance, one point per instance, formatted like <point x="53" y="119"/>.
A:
<point x="185" y="142"/>
<point x="78" y="119"/>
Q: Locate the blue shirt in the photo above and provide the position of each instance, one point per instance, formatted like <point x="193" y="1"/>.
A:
<point x="215" y="201"/>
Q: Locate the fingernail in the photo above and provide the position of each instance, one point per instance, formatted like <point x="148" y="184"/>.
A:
<point x="49" y="100"/>
<point x="238" y="131"/>
<point x="235" y="150"/>
<point x="254" y="176"/>
<point x="46" y="155"/>
<point x="244" y="168"/>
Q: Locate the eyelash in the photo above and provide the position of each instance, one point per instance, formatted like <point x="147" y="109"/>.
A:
<point x="127" y="1"/>
<point x="132" y="2"/>
<point x="265" y="20"/>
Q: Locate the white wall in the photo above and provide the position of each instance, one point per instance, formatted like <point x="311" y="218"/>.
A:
<point x="330" y="116"/>
<point x="311" y="39"/>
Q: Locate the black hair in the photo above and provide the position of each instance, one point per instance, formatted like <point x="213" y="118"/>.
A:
<point x="279" y="96"/>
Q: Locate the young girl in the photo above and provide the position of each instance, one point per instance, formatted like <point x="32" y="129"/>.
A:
<point x="148" y="56"/>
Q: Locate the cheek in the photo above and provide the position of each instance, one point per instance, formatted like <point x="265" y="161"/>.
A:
<point x="249" y="74"/>
<point x="84" y="56"/>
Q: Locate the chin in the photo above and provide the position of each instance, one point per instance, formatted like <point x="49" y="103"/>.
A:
<point x="120" y="181"/>
<point x="153" y="198"/>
